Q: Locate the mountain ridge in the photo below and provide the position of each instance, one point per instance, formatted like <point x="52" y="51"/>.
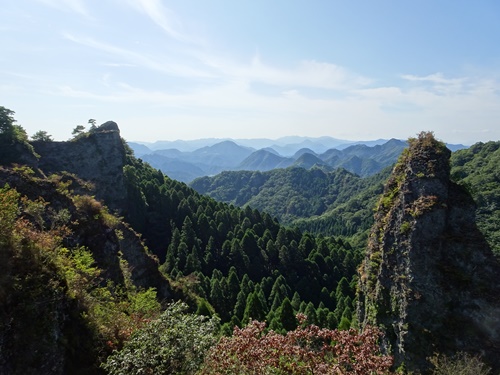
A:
<point x="227" y="155"/>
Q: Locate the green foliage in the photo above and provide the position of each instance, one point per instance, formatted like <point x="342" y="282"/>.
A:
<point x="194" y="235"/>
<point x="9" y="211"/>
<point x="6" y="121"/>
<point x="288" y="194"/>
<point x="78" y="130"/>
<point x="42" y="280"/>
<point x="426" y="139"/>
<point x="460" y="364"/>
<point x="42" y="136"/>
<point x="478" y="170"/>
<point x="95" y="210"/>
<point x="175" y="343"/>
<point x="14" y="146"/>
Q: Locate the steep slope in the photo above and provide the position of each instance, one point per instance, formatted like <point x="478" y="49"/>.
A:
<point x="69" y="270"/>
<point x="351" y="216"/>
<point x="429" y="278"/>
<point x="360" y="166"/>
<point x="100" y="157"/>
<point x="86" y="282"/>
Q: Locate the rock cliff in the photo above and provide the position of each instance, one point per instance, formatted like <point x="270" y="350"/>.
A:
<point x="97" y="156"/>
<point x="429" y="279"/>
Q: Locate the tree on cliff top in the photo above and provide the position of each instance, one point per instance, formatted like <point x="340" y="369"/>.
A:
<point x="10" y="132"/>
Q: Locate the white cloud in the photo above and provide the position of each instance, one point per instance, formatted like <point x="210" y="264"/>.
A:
<point x="307" y="73"/>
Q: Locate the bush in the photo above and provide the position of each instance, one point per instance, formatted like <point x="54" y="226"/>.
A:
<point x="175" y="343"/>
<point x="459" y="364"/>
<point x="306" y="350"/>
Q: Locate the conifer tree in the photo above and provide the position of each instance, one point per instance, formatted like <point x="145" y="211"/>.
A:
<point x="254" y="309"/>
<point x="286" y="315"/>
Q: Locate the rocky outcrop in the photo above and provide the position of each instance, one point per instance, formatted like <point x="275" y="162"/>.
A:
<point x="429" y="279"/>
<point x="97" y="156"/>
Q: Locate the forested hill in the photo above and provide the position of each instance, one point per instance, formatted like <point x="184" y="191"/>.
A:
<point x="296" y="196"/>
<point x="95" y="243"/>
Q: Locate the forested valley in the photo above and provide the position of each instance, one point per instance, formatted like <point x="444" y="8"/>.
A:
<point x="98" y="262"/>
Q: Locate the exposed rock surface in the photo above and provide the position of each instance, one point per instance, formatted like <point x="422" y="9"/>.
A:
<point x="429" y="278"/>
<point x="97" y="156"/>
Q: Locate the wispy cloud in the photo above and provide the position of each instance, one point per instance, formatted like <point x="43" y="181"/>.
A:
<point x="307" y="73"/>
<point x="152" y="62"/>
<point x="433" y="78"/>
<point x="439" y="84"/>
<point x="164" y="18"/>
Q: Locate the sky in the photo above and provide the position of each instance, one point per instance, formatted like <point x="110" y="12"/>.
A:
<point x="190" y="69"/>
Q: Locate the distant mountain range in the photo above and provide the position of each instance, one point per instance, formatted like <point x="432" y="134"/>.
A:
<point x="187" y="160"/>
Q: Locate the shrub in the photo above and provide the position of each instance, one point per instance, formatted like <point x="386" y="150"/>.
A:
<point x="306" y="350"/>
<point x="459" y="364"/>
<point x="175" y="343"/>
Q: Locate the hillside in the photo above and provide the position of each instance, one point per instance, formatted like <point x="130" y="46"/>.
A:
<point x="71" y="276"/>
<point x="350" y="213"/>
<point x="288" y="194"/>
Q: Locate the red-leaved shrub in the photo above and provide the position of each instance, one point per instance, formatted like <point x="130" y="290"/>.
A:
<point x="306" y="350"/>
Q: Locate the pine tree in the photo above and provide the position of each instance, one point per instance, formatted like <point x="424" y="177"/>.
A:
<point x="239" y="307"/>
<point x="254" y="309"/>
<point x="296" y="301"/>
<point x="310" y="312"/>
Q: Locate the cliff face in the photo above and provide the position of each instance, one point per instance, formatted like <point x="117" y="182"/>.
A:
<point x="98" y="157"/>
<point x="429" y="278"/>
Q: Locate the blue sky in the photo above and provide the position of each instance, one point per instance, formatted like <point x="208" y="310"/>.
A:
<point x="167" y="70"/>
